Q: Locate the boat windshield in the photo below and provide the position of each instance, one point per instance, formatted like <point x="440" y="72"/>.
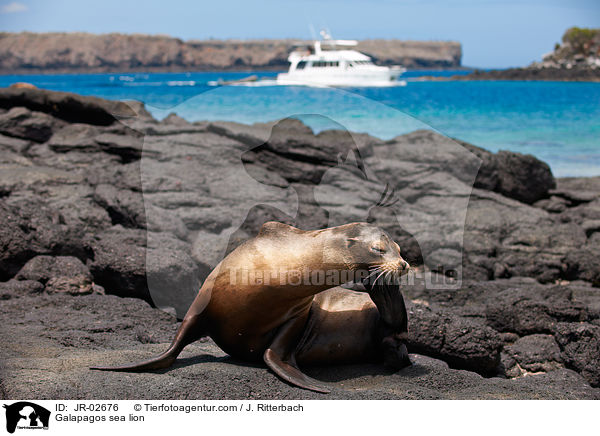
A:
<point x="353" y="63"/>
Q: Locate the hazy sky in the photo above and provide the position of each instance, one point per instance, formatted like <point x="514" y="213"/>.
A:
<point x="494" y="33"/>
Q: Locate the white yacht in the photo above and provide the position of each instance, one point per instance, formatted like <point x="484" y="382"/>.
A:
<point x="331" y="63"/>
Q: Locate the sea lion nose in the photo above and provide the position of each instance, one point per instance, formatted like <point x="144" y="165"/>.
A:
<point x="404" y="266"/>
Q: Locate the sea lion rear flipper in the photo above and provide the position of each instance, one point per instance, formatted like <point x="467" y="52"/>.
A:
<point x="190" y="330"/>
<point x="165" y="360"/>
<point x="280" y="358"/>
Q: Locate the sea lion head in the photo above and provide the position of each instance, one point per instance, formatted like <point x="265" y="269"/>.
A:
<point x="370" y="251"/>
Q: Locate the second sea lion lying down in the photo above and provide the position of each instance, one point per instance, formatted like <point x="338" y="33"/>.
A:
<point x="297" y="313"/>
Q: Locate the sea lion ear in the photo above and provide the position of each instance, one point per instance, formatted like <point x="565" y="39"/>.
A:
<point x="274" y="227"/>
<point x="352" y="241"/>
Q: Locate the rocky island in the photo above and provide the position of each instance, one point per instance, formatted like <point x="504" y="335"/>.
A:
<point x="45" y="53"/>
<point x="99" y="200"/>
<point x="576" y="59"/>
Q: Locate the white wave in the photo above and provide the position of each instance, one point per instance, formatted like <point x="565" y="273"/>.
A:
<point x="273" y="82"/>
<point x="143" y="84"/>
<point x="263" y="82"/>
<point x="181" y="83"/>
<point x="169" y="83"/>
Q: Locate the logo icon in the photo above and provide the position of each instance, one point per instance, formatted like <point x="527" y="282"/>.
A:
<point x="26" y="415"/>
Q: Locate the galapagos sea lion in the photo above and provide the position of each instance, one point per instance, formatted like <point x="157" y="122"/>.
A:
<point x="22" y="85"/>
<point x="256" y="303"/>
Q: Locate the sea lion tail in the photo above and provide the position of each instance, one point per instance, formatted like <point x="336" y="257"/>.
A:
<point x="162" y="361"/>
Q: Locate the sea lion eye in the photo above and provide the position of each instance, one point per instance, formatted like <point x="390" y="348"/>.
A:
<point x="378" y="250"/>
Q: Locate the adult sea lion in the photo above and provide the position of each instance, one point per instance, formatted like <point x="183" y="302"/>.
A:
<point x="259" y="302"/>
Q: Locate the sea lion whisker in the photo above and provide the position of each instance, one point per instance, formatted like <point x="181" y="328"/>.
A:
<point x="375" y="271"/>
<point x="382" y="272"/>
<point x="386" y="276"/>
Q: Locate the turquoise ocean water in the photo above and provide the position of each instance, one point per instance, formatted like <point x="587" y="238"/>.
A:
<point x="558" y="122"/>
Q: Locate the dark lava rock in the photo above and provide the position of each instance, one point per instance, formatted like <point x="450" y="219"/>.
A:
<point x="590" y="227"/>
<point x="17" y="288"/>
<point x="119" y="262"/>
<point x="531" y="310"/>
<point x="513" y="239"/>
<point x="509" y="338"/>
<point x="75" y="137"/>
<point x="173" y="279"/>
<point x="107" y="330"/>
<point x="23" y="123"/>
<point x="156" y="267"/>
<point x="124" y="143"/>
<point x="536" y="353"/>
<point x="554" y="204"/>
<point x="16" y="246"/>
<point x="461" y="342"/>
<point x="124" y="207"/>
<point x="30" y="229"/>
<point x="298" y="155"/>
<point x="175" y="120"/>
<point x="582" y="74"/>
<point x="65" y="105"/>
<point x="589" y="296"/>
<point x="523" y="177"/>
<point x="580" y="349"/>
<point x="514" y="175"/>
<point x="44" y="268"/>
<point x="9" y="144"/>
<point x="584" y="264"/>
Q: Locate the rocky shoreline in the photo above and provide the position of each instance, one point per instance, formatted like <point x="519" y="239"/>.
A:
<point x="576" y="59"/>
<point x="102" y="206"/>
<point x="56" y="53"/>
<point x="550" y="73"/>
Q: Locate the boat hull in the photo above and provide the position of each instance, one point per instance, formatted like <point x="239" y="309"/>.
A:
<point x="390" y="77"/>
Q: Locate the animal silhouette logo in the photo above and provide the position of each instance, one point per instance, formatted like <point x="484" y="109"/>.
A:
<point x="308" y="170"/>
<point x="26" y="415"/>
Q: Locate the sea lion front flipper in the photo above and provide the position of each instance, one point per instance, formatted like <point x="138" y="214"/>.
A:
<point x="390" y="304"/>
<point x="292" y="374"/>
<point x="394" y="319"/>
<point x="280" y="358"/>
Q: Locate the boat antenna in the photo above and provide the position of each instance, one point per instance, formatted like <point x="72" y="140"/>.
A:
<point x="313" y="33"/>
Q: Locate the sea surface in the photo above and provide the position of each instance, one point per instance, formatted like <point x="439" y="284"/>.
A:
<point x="558" y="122"/>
